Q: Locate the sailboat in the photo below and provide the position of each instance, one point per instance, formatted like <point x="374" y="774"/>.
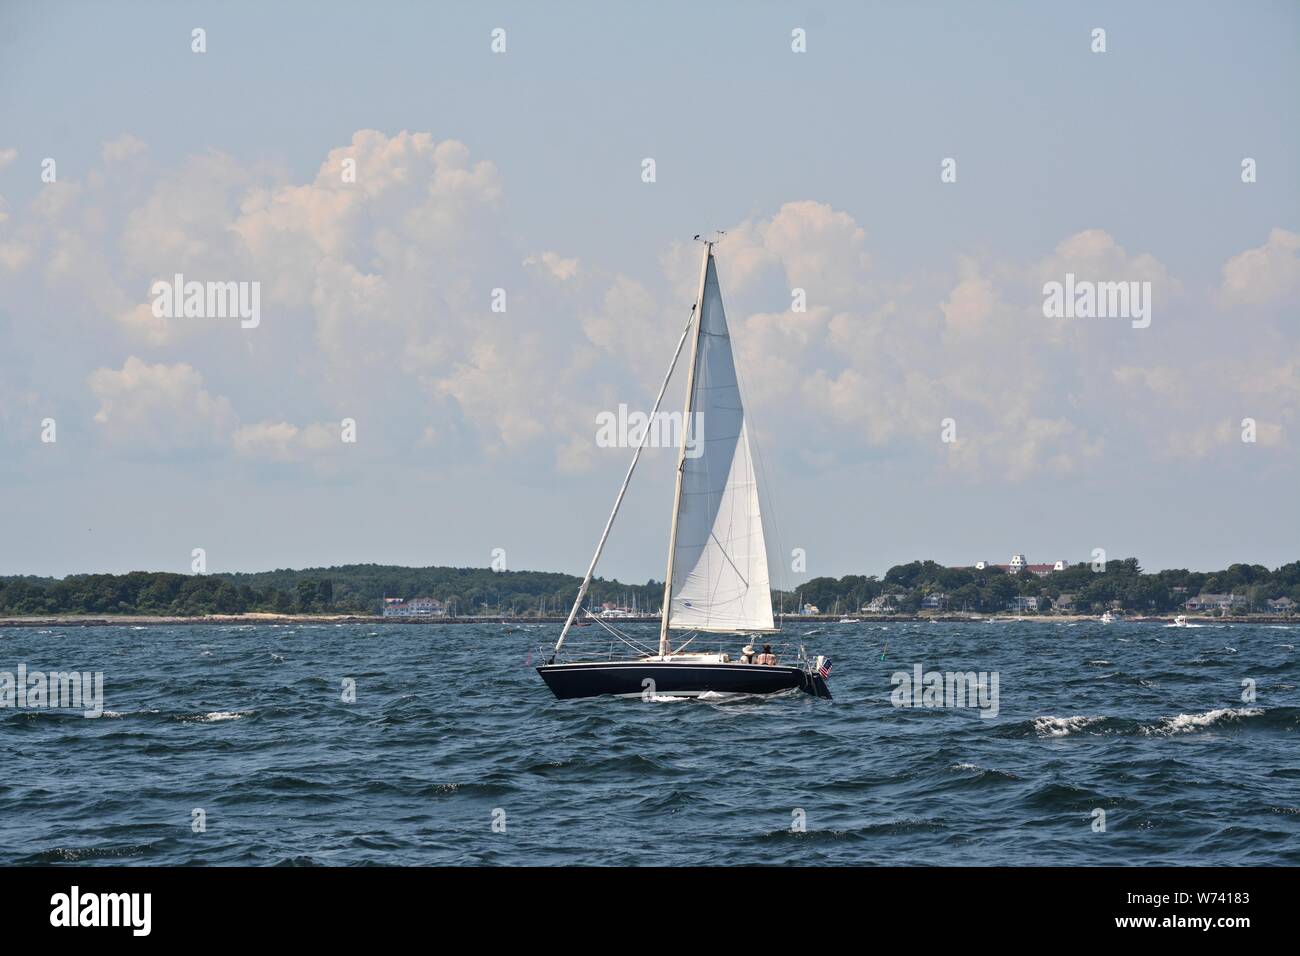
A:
<point x="717" y="580"/>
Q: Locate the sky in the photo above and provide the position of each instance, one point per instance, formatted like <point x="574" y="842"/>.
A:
<point x="525" y="171"/>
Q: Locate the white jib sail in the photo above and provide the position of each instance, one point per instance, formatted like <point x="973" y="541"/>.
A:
<point x="720" y="580"/>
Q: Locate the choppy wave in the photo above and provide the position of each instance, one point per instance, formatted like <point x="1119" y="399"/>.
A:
<point x="1051" y="726"/>
<point x="450" y="729"/>
<point x="214" y="716"/>
<point x="1186" y="723"/>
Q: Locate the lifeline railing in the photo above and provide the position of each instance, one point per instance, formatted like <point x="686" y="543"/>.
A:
<point x="624" y="646"/>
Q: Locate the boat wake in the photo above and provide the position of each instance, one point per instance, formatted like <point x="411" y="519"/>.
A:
<point x="713" y="697"/>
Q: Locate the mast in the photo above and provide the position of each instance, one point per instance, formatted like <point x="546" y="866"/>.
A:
<point x="681" y="455"/>
<point x="591" y="569"/>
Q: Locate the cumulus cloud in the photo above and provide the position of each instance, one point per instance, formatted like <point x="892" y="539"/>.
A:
<point x="629" y="312"/>
<point x="185" y="224"/>
<point x="554" y="264"/>
<point x="1220" y="437"/>
<point x="159" y="408"/>
<point x="1266" y="275"/>
<point x="813" y="246"/>
<point x="1199" y="409"/>
<point x="282" y="441"/>
<point x="969" y="308"/>
<point x="486" y="382"/>
<point x="1023" y="445"/>
<point x="14" y="256"/>
<point x="122" y="148"/>
<point x="890" y="359"/>
<point x="378" y="273"/>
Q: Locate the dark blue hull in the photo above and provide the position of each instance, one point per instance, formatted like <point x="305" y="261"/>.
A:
<point x="640" y="678"/>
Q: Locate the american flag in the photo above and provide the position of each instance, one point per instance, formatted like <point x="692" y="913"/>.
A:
<point x="825" y="668"/>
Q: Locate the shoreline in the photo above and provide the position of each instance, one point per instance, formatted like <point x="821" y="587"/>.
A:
<point x="146" y="620"/>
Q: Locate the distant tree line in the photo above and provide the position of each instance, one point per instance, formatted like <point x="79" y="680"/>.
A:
<point x="349" y="589"/>
<point x="1122" y="584"/>
<point x="361" y="588"/>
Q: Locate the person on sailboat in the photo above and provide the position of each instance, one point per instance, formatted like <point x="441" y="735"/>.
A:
<point x="767" y="657"/>
<point x="747" y="654"/>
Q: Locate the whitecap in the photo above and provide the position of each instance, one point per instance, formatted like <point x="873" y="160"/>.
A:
<point x="217" y="715"/>
<point x="1063" y="726"/>
<point x="1183" y="723"/>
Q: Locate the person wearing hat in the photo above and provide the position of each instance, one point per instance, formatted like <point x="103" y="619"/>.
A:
<point x="747" y="654"/>
<point x="767" y="657"/>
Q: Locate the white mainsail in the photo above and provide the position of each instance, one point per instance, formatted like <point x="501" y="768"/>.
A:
<point x="719" y="560"/>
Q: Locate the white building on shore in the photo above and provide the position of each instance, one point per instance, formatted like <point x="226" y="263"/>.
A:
<point x="415" y="607"/>
<point x="1019" y="565"/>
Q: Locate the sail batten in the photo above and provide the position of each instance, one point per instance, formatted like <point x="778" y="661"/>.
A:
<point x="719" y="579"/>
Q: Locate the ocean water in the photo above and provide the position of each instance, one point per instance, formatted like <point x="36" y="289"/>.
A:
<point x="453" y="731"/>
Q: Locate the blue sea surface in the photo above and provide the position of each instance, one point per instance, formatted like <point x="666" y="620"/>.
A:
<point x="455" y="752"/>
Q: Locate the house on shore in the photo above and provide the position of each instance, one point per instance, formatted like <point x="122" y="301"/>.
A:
<point x="883" y="604"/>
<point x="1019" y="565"/>
<point x="415" y="607"/>
<point x="1214" y="602"/>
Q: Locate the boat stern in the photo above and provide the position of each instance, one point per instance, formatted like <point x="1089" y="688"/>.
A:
<point x="816" y="678"/>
